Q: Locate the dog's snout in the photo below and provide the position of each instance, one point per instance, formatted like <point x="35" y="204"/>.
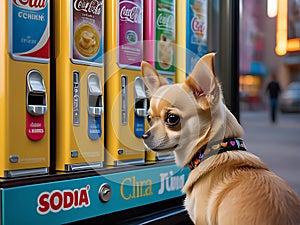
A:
<point x="147" y="134"/>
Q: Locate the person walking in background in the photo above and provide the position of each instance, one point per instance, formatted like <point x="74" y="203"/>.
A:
<point x="273" y="88"/>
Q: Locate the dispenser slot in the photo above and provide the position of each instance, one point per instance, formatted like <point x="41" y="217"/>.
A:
<point x="36" y="97"/>
<point x="95" y="106"/>
<point x="140" y="97"/>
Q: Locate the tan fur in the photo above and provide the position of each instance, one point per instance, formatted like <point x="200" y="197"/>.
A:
<point x="232" y="188"/>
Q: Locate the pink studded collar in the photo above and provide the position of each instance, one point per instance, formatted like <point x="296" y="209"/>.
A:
<point x="227" y="144"/>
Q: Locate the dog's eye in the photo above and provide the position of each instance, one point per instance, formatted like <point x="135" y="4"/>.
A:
<point x="148" y="118"/>
<point x="172" y="120"/>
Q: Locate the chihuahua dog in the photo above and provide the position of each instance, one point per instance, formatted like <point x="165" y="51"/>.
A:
<point x="227" y="185"/>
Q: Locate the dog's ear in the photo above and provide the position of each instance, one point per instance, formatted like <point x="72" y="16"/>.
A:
<point x="151" y="78"/>
<point x="202" y="79"/>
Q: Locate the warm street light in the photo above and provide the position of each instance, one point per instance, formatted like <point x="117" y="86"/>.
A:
<point x="284" y="44"/>
<point x="272" y="6"/>
<point x="282" y="28"/>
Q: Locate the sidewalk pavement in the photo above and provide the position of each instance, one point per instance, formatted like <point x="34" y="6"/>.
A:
<point x="278" y="145"/>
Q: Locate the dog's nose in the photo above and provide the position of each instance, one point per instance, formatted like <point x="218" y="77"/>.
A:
<point x="146" y="135"/>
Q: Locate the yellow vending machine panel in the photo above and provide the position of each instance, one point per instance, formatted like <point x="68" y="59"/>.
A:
<point x="126" y="101"/>
<point x="159" y="47"/>
<point x="79" y="84"/>
<point x="24" y="88"/>
<point x="191" y="35"/>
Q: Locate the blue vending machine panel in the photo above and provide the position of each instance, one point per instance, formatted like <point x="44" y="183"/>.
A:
<point x="72" y="200"/>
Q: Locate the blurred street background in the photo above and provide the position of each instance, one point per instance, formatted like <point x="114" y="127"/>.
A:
<point x="277" y="144"/>
<point x="260" y="53"/>
<point x="264" y="52"/>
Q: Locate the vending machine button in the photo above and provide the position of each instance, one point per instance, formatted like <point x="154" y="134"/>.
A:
<point x="120" y="151"/>
<point x="14" y="158"/>
<point x="74" y="154"/>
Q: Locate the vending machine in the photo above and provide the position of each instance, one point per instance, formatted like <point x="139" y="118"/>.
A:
<point x="79" y="72"/>
<point x="160" y="46"/>
<point x="126" y="101"/>
<point x="24" y="88"/>
<point x="191" y="35"/>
